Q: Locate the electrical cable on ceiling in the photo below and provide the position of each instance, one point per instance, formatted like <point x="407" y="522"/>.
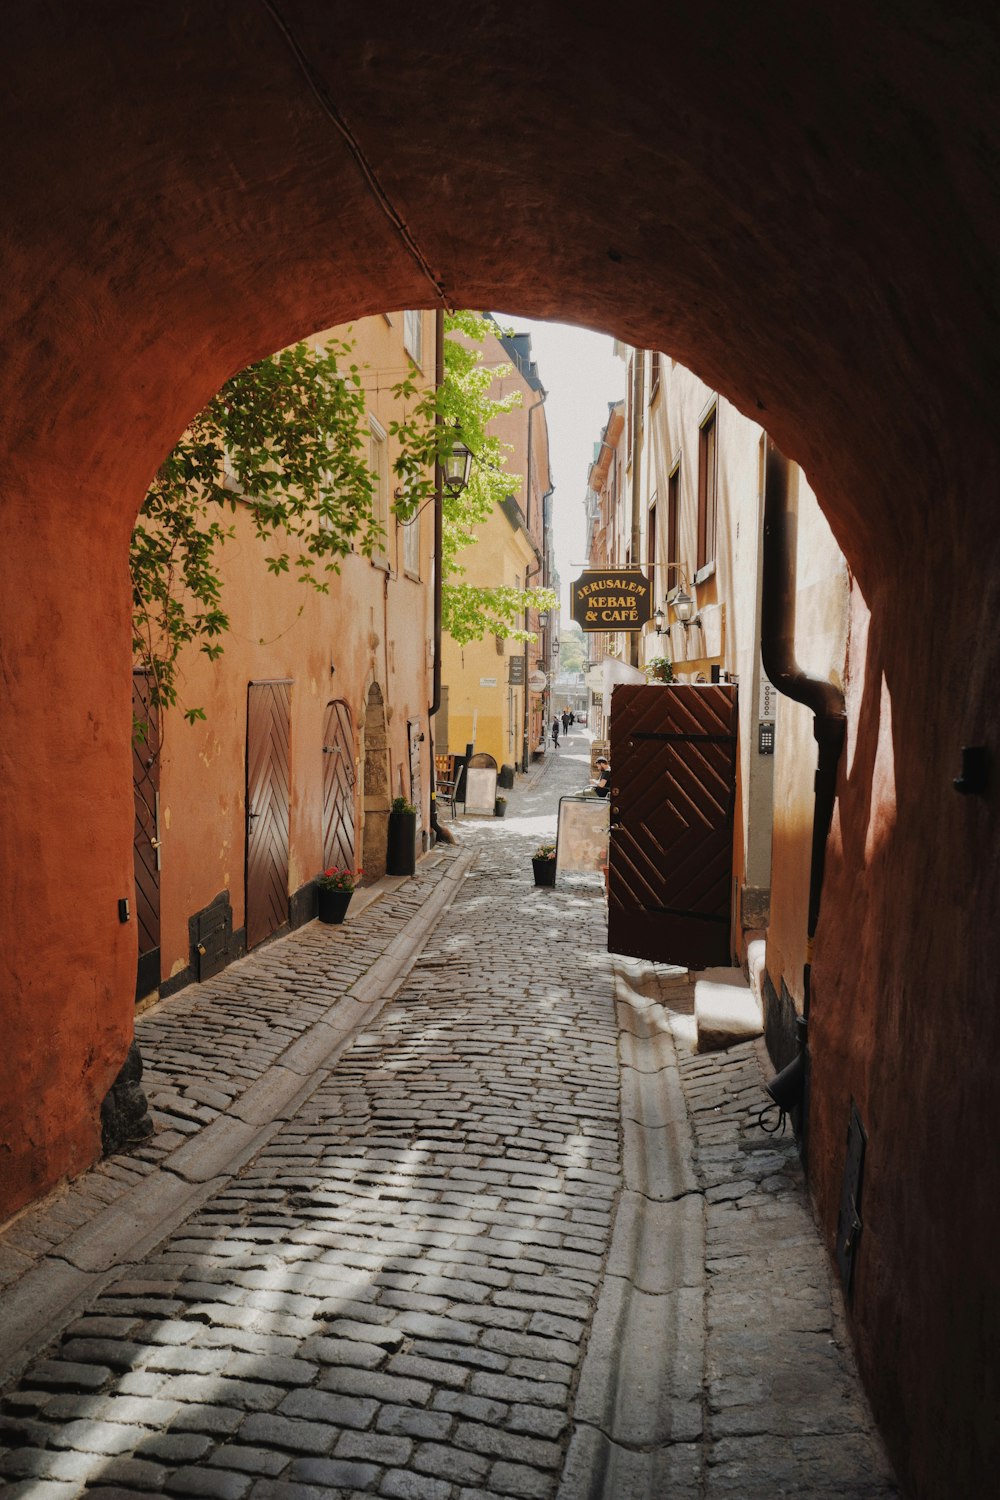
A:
<point x="367" y="170"/>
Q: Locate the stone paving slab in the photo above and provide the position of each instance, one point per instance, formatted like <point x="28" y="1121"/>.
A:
<point x="471" y="1256"/>
<point x="114" y="1213"/>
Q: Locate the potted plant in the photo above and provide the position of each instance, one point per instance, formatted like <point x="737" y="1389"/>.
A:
<point x="500" y="807"/>
<point x="334" y="889"/>
<point x="401" y="850"/>
<point x="659" y="669"/>
<point x="543" y="863"/>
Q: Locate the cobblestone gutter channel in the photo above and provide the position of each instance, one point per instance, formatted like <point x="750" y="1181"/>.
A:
<point x="718" y="1366"/>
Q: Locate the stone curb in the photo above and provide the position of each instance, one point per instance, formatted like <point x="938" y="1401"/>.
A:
<point x="35" y="1308"/>
<point x="638" y="1414"/>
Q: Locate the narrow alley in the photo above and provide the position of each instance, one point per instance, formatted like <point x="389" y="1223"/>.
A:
<point x="441" y="1204"/>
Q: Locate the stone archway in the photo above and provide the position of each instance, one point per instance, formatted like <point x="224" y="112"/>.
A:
<point x="800" y="203"/>
<point x="375" y="798"/>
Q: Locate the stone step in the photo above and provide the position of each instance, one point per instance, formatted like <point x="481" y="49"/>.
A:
<point x="725" y="1009"/>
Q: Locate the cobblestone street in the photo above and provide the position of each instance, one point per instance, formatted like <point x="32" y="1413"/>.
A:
<point x="441" y="1205"/>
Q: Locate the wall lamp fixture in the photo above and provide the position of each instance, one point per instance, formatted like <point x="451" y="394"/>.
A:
<point x="456" y="467"/>
<point x="685" y="609"/>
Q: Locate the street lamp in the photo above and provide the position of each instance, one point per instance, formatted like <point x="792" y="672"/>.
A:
<point x="456" y="466"/>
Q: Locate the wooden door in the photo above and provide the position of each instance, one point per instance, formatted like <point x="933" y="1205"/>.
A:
<point x="673" y="792"/>
<point x="146" y="835"/>
<point x="339" y="798"/>
<point x="268" y="787"/>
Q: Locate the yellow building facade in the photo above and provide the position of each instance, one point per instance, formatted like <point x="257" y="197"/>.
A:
<point x="486" y="681"/>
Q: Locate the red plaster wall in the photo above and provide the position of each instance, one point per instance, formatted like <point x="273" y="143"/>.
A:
<point x="799" y="202"/>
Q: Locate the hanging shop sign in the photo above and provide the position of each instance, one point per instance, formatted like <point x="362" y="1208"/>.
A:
<point x="617" y="599"/>
<point x="515" y="671"/>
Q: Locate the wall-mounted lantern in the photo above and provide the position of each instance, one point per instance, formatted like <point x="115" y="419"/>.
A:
<point x="456" y="467"/>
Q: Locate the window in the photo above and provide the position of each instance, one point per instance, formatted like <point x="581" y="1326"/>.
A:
<point x="673" y="499"/>
<point x="411" y="546"/>
<point x="413" y="336"/>
<point x="707" y="489"/>
<point x="378" y="462"/>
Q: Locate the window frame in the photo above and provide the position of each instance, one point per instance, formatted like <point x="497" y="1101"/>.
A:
<point x="413" y="335"/>
<point x="411" y="545"/>
<point x="673" y="516"/>
<point x="378" y="463"/>
<point x="708" y="488"/>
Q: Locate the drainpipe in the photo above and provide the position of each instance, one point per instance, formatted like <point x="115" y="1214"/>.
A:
<point x="435" y="703"/>
<point x="529" y="572"/>
<point x="823" y="697"/>
<point x="635" y="540"/>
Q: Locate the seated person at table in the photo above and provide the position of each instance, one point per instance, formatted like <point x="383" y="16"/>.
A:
<point x="603" y="783"/>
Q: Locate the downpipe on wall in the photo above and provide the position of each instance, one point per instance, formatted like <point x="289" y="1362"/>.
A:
<point x="826" y="701"/>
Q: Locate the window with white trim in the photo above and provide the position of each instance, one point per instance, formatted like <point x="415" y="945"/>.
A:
<point x="411" y="546"/>
<point x="378" y="463"/>
<point x="413" y="335"/>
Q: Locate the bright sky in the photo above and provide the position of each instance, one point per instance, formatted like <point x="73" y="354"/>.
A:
<point x="581" y="375"/>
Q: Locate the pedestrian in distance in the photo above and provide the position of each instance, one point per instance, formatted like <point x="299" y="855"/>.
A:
<point x="555" y="733"/>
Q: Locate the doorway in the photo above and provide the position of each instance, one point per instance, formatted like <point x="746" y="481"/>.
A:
<point x="267" y="801"/>
<point x="375" y="762"/>
<point x="339" y="786"/>
<point x="146" y="834"/>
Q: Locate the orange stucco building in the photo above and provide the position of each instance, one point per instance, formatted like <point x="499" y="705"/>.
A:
<point x="316" y="715"/>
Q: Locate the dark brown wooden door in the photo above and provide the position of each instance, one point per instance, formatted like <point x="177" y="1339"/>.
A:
<point x="146" y="836"/>
<point x="673" y="791"/>
<point x="268" y="786"/>
<point x="339" y="815"/>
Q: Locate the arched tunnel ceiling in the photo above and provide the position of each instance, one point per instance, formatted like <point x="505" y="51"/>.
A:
<point x="799" y="202"/>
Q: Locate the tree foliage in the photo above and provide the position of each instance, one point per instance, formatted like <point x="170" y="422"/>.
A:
<point x="469" y="611"/>
<point x="286" y="439"/>
<point x="282" y="440"/>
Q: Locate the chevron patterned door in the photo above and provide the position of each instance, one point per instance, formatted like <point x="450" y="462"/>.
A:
<point x="268" y="786"/>
<point x="146" y="838"/>
<point x="673" y="792"/>
<point x="339" y="818"/>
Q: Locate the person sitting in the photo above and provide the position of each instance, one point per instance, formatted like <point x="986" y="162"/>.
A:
<point x="602" y="785"/>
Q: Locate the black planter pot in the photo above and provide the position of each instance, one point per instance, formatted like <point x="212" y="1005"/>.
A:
<point x="331" y="906"/>
<point x="401" y="851"/>
<point x="545" y="871"/>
